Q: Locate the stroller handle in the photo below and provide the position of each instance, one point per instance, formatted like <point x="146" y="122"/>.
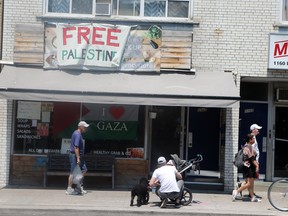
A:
<point x="193" y="161"/>
<point x="197" y="159"/>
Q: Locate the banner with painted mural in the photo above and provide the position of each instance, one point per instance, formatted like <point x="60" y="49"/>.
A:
<point x="107" y="122"/>
<point x="143" y="49"/>
<point x="101" y="47"/>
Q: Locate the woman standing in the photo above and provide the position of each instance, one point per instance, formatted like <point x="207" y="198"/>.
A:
<point x="250" y="169"/>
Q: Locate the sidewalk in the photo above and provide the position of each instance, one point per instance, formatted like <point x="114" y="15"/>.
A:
<point x="117" y="202"/>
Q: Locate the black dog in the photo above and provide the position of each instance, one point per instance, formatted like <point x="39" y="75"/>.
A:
<point x="141" y="191"/>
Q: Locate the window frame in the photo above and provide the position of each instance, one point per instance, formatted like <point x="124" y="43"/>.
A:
<point x="93" y="14"/>
<point x="142" y="6"/>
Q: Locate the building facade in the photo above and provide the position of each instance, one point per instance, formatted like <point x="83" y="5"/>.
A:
<point x="228" y="39"/>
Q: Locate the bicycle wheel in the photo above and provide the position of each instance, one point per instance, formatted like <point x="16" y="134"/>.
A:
<point x="278" y="194"/>
<point x="186" y="196"/>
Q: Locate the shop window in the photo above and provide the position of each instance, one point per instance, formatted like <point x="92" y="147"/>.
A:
<point x="46" y="127"/>
<point x="254" y="91"/>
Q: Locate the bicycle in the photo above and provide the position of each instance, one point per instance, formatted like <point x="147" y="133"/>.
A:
<point x="278" y="194"/>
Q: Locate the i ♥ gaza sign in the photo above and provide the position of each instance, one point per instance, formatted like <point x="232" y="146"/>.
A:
<point x="92" y="46"/>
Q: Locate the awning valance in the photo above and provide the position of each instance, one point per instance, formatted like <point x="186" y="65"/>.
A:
<point x="206" y="89"/>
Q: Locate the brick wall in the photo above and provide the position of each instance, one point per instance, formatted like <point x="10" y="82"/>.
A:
<point x="5" y="140"/>
<point x="233" y="35"/>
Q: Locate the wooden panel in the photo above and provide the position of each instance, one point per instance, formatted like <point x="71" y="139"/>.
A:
<point x="176" y="60"/>
<point x="27" y="170"/>
<point x="176" y="51"/>
<point x="29" y="44"/>
<point x="178" y="44"/>
<point x="176" y="66"/>
<point x="129" y="171"/>
<point x="176" y="33"/>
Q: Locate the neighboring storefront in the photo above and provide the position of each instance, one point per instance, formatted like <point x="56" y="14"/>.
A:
<point x="264" y="101"/>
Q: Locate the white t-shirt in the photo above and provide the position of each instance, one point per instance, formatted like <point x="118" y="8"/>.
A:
<point x="167" y="178"/>
<point x="255" y="146"/>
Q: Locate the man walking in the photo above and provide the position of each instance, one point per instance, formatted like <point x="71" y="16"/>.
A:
<point x="254" y="128"/>
<point x="76" y="151"/>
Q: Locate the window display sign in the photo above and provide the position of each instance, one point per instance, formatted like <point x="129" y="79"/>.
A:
<point x="29" y="110"/>
<point x="114" y="129"/>
<point x="107" y="122"/>
<point x="135" y="152"/>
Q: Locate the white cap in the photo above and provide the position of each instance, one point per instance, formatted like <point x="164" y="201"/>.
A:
<point x="161" y="160"/>
<point x="83" y="124"/>
<point x="255" y="126"/>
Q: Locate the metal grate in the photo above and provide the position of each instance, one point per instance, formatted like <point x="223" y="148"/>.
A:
<point x="282" y="95"/>
<point x="103" y="9"/>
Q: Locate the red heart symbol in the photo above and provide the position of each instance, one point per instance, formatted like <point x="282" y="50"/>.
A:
<point x="117" y="111"/>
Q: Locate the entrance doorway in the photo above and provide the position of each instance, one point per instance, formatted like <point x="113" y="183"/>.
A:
<point x="204" y="126"/>
<point x="166" y="128"/>
<point x="281" y="142"/>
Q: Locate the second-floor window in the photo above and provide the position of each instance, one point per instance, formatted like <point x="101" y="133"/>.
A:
<point x="151" y="8"/>
<point x="86" y="7"/>
<point x="142" y="8"/>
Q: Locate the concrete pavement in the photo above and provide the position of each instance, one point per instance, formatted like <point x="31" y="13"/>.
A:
<point x="116" y="202"/>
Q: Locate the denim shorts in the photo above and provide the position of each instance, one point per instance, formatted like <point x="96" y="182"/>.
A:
<point x="73" y="163"/>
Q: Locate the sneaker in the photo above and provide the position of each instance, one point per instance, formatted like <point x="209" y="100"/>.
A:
<point x="177" y="203"/>
<point x="164" y="203"/>
<point x="71" y="191"/>
<point x="83" y="191"/>
<point x="237" y="186"/>
<point x="234" y="194"/>
<point x="80" y="190"/>
<point x="238" y="197"/>
<point x="257" y="196"/>
<point x="255" y="199"/>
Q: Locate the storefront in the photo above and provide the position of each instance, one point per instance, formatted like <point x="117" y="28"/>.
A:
<point x="119" y="103"/>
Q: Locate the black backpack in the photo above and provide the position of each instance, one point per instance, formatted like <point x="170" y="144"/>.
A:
<point x="238" y="159"/>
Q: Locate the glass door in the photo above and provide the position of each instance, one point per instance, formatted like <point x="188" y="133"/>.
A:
<point x="281" y="142"/>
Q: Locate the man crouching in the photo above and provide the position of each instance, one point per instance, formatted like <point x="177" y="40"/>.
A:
<point x="167" y="175"/>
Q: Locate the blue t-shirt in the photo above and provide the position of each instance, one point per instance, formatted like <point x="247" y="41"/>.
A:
<point x="77" y="141"/>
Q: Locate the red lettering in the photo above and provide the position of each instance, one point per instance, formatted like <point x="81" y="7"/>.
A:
<point x="83" y="32"/>
<point x="111" y="37"/>
<point x="66" y="35"/>
<point x="96" y="35"/>
<point x="278" y="51"/>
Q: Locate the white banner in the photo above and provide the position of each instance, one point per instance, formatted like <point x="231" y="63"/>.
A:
<point x="91" y="44"/>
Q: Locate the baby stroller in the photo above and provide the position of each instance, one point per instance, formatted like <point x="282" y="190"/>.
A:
<point x="182" y="166"/>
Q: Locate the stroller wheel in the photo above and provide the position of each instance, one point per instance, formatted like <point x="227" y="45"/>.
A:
<point x="186" y="197"/>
